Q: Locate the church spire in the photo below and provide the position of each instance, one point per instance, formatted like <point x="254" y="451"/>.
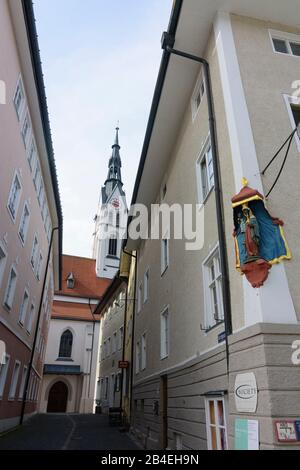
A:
<point x="114" y="176"/>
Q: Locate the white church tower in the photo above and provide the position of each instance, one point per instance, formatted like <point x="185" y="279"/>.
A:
<point x="111" y="218"/>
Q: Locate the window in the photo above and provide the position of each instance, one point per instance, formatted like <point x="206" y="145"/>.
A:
<point x="14" y="197"/>
<point x="213" y="290"/>
<point x="104" y="350"/>
<point x="146" y="286"/>
<point x="138" y="357"/>
<point x="66" y="345"/>
<point x="118" y="219"/>
<point x="197" y="96"/>
<point x="140" y="296"/>
<point x="32" y="155"/>
<point x="118" y="382"/>
<point x="121" y="338"/>
<point x="37" y="176"/>
<point x="30" y="319"/>
<point x="164" y="334"/>
<point x="34" y="252"/>
<point x="113" y="247"/>
<point x="24" y="224"/>
<point x="2" y="263"/>
<point x="216" y="424"/>
<point x="26" y="130"/>
<point x="285" y="43"/>
<point x="11" y="289"/>
<point x="39" y="267"/>
<point x="114" y="343"/>
<point x="41" y="193"/>
<point x="14" y="381"/>
<point x="3" y="375"/>
<point x="205" y="173"/>
<point x="19" y="99"/>
<point x="296" y="113"/>
<point x="22" y="387"/>
<point x="144" y="352"/>
<point x="23" y="308"/>
<point x="164" y="255"/>
<point x="108" y="347"/>
<point x="71" y="281"/>
<point x="106" y="388"/>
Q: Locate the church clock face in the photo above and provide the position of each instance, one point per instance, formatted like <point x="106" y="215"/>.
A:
<point x="115" y="203"/>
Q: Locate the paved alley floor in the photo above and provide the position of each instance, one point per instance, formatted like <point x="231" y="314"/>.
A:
<point x="67" y="432"/>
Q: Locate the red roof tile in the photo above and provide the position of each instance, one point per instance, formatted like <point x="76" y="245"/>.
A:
<point x="73" y="311"/>
<point x="87" y="284"/>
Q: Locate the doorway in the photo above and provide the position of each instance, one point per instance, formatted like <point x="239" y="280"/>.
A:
<point x="58" y="398"/>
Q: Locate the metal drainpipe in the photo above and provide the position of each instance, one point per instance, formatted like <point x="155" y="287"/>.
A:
<point x="30" y="365"/>
<point x="132" y="336"/>
<point x="92" y="352"/>
<point x="167" y="44"/>
<point x="124" y="334"/>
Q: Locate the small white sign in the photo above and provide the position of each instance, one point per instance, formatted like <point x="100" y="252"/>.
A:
<point x="2" y="92"/>
<point x="245" y="392"/>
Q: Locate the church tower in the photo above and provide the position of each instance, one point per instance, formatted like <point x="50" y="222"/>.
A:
<point x="111" y="218"/>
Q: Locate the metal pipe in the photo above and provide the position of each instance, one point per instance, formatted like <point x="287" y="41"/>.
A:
<point x="218" y="189"/>
<point x="30" y="365"/>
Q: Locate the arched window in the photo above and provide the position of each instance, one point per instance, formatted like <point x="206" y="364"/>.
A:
<point x="66" y="343"/>
<point x="113" y="247"/>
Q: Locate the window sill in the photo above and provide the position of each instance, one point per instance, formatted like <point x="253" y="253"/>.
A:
<point x="64" y="359"/>
<point x="214" y="327"/>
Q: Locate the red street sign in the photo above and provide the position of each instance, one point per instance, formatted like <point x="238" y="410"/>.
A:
<point x="123" y="365"/>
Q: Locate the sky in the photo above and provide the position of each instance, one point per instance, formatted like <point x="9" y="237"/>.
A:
<point x="100" y="61"/>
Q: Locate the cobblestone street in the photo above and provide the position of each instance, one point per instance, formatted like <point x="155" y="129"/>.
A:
<point x="67" y="432"/>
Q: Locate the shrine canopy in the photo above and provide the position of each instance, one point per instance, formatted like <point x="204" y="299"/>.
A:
<point x="273" y="246"/>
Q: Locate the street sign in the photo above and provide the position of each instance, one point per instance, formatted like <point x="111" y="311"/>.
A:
<point x="286" y="431"/>
<point x="123" y="364"/>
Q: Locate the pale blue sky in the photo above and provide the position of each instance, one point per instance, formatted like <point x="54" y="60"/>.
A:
<point x="100" y="61"/>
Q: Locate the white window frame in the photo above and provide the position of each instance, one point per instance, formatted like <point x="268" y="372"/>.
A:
<point x="20" y="88"/>
<point x="288" y="38"/>
<point x="26" y="226"/>
<point x="210" y="321"/>
<point x="32" y="154"/>
<point x="22" y="386"/>
<point x="121" y="338"/>
<point x="39" y="266"/>
<point x="218" y="426"/>
<point x="3" y="377"/>
<point x="34" y="254"/>
<point x="146" y="285"/>
<point x="144" y="351"/>
<point x="26" y="137"/>
<point x="140" y="297"/>
<point x="292" y="100"/>
<point x="3" y="262"/>
<point x="114" y="342"/>
<point x="165" y="253"/>
<point x="14" y="381"/>
<point x="23" y="311"/>
<point x="202" y="198"/>
<point x="10" y="291"/>
<point x="199" y="90"/>
<point x="138" y="357"/>
<point x="30" y="320"/>
<point x="164" y="334"/>
<point x="13" y="215"/>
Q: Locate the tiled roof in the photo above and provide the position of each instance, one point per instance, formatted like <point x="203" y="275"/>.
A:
<point x="87" y="284"/>
<point x="73" y="311"/>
